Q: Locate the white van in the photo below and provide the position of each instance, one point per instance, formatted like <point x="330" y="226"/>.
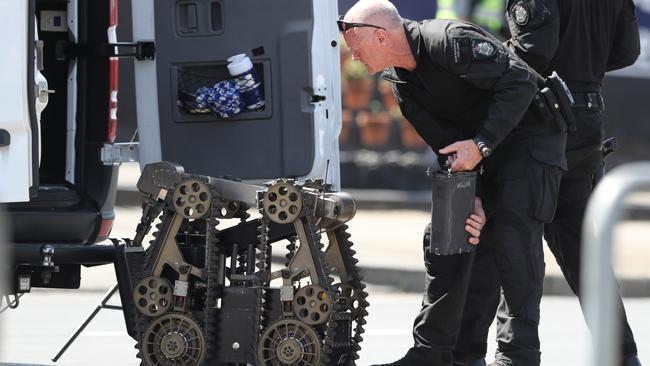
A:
<point x="59" y="158"/>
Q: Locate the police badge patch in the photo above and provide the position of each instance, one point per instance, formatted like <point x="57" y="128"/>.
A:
<point x="520" y="13"/>
<point x="482" y="49"/>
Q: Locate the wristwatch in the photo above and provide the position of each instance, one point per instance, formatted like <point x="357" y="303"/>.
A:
<point x="482" y="147"/>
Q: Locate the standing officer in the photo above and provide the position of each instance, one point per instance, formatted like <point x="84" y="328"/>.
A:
<point x="468" y="97"/>
<point x="581" y="40"/>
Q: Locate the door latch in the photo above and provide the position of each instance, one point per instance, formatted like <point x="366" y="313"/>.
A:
<point x="43" y="92"/>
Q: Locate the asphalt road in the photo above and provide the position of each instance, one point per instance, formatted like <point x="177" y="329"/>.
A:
<point x="32" y="334"/>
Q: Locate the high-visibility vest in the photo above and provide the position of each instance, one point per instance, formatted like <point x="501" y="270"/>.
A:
<point x="452" y="9"/>
<point x="488" y="13"/>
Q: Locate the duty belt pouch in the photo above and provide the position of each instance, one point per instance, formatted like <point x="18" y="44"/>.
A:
<point x="556" y="118"/>
<point x="563" y="99"/>
<point x="451" y="204"/>
<point x="541" y="109"/>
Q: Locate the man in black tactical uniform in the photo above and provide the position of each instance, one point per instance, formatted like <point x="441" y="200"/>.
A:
<point x="469" y="98"/>
<point x="581" y="40"/>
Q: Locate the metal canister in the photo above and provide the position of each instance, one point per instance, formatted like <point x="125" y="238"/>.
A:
<point x="452" y="201"/>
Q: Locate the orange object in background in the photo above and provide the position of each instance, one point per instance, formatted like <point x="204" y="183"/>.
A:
<point x="357" y="93"/>
<point x="374" y="128"/>
<point x="411" y="140"/>
<point x="385" y="89"/>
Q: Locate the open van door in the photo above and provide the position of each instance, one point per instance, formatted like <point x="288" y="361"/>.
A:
<point x="19" y="152"/>
<point x="293" y="45"/>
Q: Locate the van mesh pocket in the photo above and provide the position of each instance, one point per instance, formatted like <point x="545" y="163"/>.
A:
<point x="190" y="86"/>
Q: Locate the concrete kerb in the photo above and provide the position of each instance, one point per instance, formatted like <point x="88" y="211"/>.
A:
<point x="413" y="281"/>
<point x="409" y="280"/>
<point x="99" y="279"/>
<point x="379" y="199"/>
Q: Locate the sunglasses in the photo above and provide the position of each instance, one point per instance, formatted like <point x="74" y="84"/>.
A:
<point x="345" y="26"/>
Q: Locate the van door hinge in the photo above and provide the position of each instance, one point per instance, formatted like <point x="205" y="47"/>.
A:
<point x="143" y="50"/>
<point x="40" y="60"/>
<point x="123" y="152"/>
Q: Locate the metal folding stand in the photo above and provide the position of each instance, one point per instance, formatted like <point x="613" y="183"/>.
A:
<point x="10" y="304"/>
<point x="101" y="305"/>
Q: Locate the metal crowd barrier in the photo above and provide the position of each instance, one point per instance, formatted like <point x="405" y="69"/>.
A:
<point x="604" y="211"/>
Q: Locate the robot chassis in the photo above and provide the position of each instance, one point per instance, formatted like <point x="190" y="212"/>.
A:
<point x="202" y="296"/>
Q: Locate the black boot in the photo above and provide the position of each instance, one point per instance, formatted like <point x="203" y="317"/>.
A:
<point x="475" y="362"/>
<point x="404" y="361"/>
<point x="414" y="357"/>
<point x="631" y="360"/>
<point x="501" y="363"/>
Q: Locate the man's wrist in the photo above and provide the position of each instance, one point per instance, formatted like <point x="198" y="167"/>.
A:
<point x="483" y="148"/>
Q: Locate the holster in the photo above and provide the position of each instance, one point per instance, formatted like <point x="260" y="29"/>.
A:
<point x="609" y="146"/>
<point x="452" y="201"/>
<point x="553" y="104"/>
<point x="564" y="99"/>
<point x="557" y="119"/>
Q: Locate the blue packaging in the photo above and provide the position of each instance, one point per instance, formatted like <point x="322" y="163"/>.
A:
<point x="225" y="99"/>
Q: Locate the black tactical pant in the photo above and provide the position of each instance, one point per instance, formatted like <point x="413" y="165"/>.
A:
<point x="519" y="192"/>
<point x="563" y="236"/>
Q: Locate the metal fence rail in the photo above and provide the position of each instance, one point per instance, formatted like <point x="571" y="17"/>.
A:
<point x="604" y="211"/>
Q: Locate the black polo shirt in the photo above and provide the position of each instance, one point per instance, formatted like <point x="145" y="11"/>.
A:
<point x="580" y="39"/>
<point x="465" y="84"/>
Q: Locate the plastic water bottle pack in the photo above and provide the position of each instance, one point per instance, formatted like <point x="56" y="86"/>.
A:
<point x="241" y="68"/>
<point x="225" y="98"/>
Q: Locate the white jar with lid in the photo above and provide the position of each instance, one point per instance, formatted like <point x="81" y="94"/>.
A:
<point x="241" y="69"/>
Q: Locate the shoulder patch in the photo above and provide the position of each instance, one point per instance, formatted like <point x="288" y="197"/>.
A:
<point x="520" y="13"/>
<point x="482" y="49"/>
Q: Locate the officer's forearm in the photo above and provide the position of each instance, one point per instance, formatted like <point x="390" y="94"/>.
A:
<point x="627" y="46"/>
<point x="512" y="96"/>
<point x="625" y="53"/>
<point x="536" y="57"/>
<point x="436" y="133"/>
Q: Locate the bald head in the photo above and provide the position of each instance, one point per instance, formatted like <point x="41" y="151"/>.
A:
<point x="378" y="12"/>
<point x="376" y="36"/>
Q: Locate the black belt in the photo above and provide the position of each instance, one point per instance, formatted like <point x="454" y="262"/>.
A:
<point x="588" y="101"/>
